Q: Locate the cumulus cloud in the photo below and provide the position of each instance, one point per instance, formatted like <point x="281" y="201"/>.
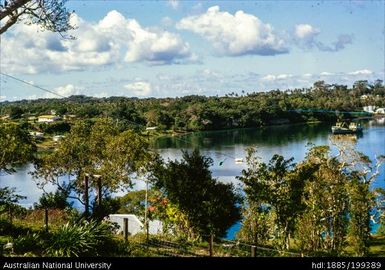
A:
<point x="235" y="35"/>
<point x="62" y="91"/>
<point x="155" y="47"/>
<point x="112" y="40"/>
<point x="67" y="90"/>
<point x="306" y="31"/>
<point x="139" y="88"/>
<point x="306" y="36"/>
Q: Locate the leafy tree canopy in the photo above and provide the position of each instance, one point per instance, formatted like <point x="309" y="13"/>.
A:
<point x="210" y="206"/>
<point x="49" y="14"/>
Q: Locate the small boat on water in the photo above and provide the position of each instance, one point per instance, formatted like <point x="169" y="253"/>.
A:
<point x="238" y="160"/>
<point x="346" y="128"/>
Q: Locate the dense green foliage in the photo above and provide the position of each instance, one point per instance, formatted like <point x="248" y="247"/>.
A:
<point x="271" y="188"/>
<point x="324" y="202"/>
<point x="192" y="113"/>
<point x="17" y="147"/>
<point x="84" y="239"/>
<point x="210" y="206"/>
<point x="55" y="200"/>
<point x="95" y="148"/>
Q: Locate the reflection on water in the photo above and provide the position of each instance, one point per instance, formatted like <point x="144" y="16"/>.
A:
<point x="225" y="146"/>
<point x="267" y="136"/>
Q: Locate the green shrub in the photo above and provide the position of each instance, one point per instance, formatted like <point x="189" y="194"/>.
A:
<point x="30" y="242"/>
<point x="55" y="200"/>
<point x="84" y="239"/>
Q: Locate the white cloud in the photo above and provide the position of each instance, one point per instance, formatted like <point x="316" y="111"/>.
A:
<point x="306" y="31"/>
<point x="325" y="73"/>
<point x="284" y="76"/>
<point x="268" y="77"/>
<point x="173" y="3"/>
<point x="3" y="97"/>
<point x="67" y="90"/>
<point x="62" y="91"/>
<point x="305" y="35"/>
<point x="235" y="35"/>
<point x="140" y="88"/>
<point x="110" y="41"/>
<point x="157" y="47"/>
<point x="272" y="77"/>
<point x="361" y="72"/>
<point x="210" y="74"/>
<point x="101" y="94"/>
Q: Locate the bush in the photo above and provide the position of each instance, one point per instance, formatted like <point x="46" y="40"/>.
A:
<point x="84" y="239"/>
<point x="57" y="200"/>
<point x="30" y="242"/>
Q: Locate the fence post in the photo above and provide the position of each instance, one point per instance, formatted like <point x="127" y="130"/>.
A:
<point x="99" y="188"/>
<point x="253" y="249"/>
<point x="125" y="229"/>
<point x="46" y="219"/>
<point x="211" y="245"/>
<point x="86" y="199"/>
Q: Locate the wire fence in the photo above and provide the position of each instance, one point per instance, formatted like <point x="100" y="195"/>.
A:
<point x="159" y="246"/>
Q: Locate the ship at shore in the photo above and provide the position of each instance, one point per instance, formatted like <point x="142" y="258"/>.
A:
<point x="346" y="128"/>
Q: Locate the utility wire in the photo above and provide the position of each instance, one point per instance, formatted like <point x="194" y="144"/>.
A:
<point x="31" y="84"/>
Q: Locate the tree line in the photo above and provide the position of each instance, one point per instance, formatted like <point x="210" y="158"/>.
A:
<point x="194" y="113"/>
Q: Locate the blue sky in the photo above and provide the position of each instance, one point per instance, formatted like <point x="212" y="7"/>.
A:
<point x="176" y="48"/>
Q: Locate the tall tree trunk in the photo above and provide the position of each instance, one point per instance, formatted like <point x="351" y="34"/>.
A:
<point x="211" y="245"/>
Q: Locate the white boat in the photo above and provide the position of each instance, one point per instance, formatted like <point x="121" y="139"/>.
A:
<point x="238" y="160"/>
<point x="345" y="128"/>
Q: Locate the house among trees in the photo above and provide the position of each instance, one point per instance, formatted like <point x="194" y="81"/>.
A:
<point x="369" y="109"/>
<point x="57" y="138"/>
<point x="151" y="128"/>
<point x="37" y="135"/>
<point x="135" y="226"/>
<point x="47" y="118"/>
<point x="380" y="111"/>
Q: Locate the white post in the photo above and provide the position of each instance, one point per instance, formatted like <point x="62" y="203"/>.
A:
<point x="145" y="210"/>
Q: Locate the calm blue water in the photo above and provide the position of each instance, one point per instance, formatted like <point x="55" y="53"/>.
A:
<point x="289" y="141"/>
<point x="225" y="146"/>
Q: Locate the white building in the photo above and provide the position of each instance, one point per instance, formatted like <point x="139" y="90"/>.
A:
<point x="380" y="111"/>
<point x="47" y="118"/>
<point x="135" y="225"/>
<point x="37" y="135"/>
<point x="369" y="109"/>
<point x="57" y="138"/>
<point x="151" y="128"/>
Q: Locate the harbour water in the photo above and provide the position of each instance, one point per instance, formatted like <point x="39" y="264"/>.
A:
<point x="224" y="147"/>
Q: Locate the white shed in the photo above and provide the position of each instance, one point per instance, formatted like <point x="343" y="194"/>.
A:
<point x="135" y="225"/>
<point x="380" y="111"/>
